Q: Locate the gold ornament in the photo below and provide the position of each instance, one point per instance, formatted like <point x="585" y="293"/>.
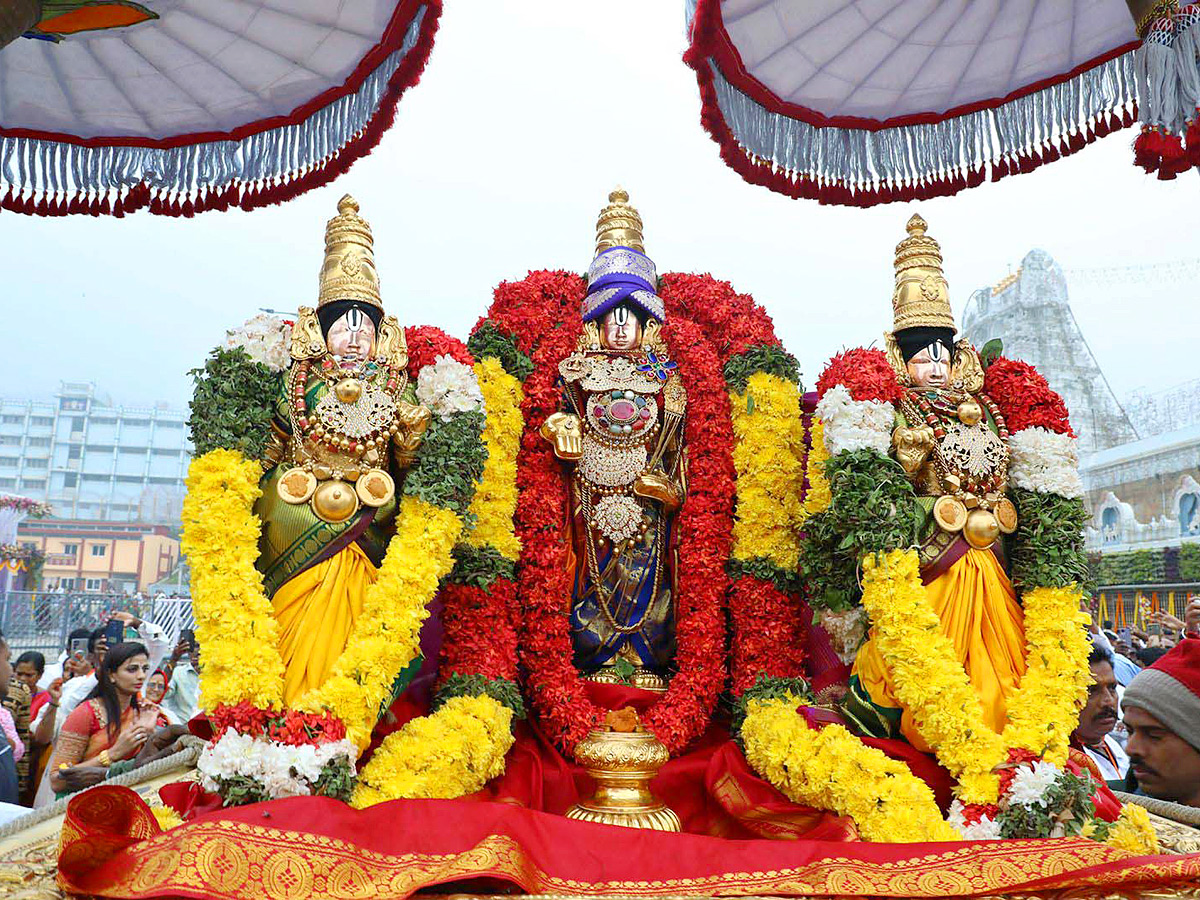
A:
<point x="970" y="412"/>
<point x="375" y="487"/>
<point x="950" y="513"/>
<point x="296" y="486"/>
<point x="981" y="529"/>
<point x="348" y="390"/>
<point x="622" y="764"/>
<point x="335" y="501"/>
<point x="1006" y="515"/>
<point x="619" y="224"/>
<point x="922" y="296"/>
<point x="349" y="269"/>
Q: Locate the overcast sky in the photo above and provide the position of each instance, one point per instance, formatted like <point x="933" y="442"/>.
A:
<point x="527" y="115"/>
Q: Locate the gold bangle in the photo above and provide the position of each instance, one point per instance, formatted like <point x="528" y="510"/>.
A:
<point x="104" y="758"/>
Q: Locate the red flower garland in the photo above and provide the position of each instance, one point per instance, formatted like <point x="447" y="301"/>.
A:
<point x="479" y="634"/>
<point x="770" y="626"/>
<point x="427" y="342"/>
<point x="1025" y="398"/>
<point x="289" y="726"/>
<point x="865" y="373"/>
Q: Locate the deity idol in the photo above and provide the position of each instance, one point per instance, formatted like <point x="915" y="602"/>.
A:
<point x="951" y="440"/>
<point x="346" y="426"/>
<point x="621" y="435"/>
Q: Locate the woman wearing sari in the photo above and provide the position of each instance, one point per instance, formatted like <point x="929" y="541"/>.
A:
<point x="112" y="724"/>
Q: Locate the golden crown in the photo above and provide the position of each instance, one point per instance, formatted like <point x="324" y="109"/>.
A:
<point x="922" y="296"/>
<point x="348" y="272"/>
<point x="619" y="224"/>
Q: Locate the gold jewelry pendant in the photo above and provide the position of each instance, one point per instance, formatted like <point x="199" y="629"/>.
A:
<point x="981" y="529"/>
<point x="375" y="487"/>
<point x="950" y="513"/>
<point x="1006" y="515"/>
<point x="348" y="390"/>
<point x="296" y="486"/>
<point x="334" y="501"/>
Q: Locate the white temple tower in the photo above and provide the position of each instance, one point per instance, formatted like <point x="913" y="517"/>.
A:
<point x="1029" y="311"/>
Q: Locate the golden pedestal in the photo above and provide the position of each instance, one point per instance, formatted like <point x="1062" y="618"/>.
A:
<point x="622" y="765"/>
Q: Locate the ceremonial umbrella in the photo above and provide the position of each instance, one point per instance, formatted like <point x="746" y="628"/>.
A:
<point x="868" y="101"/>
<point x="181" y="106"/>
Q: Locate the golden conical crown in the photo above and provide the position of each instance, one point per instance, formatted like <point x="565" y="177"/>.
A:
<point x="619" y="224"/>
<point x="922" y="296"/>
<point x="349" y="269"/>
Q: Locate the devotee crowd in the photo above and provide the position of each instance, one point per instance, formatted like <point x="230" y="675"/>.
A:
<point x="117" y="697"/>
<point x="1140" y="726"/>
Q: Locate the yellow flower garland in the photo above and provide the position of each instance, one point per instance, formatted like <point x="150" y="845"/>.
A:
<point x="819" y="495"/>
<point x="234" y="620"/>
<point x="453" y="752"/>
<point x="832" y="769"/>
<point x="768" y="456"/>
<point x="934" y="687"/>
<point x="495" y="498"/>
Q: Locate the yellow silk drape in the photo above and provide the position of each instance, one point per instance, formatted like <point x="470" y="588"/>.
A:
<point x="316" y="611"/>
<point x="979" y="613"/>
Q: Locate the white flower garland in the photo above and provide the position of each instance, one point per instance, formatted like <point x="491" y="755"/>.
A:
<point x="1042" y="461"/>
<point x="448" y="386"/>
<point x="985" y="829"/>
<point x="266" y="339"/>
<point x="282" y="769"/>
<point x="855" y="424"/>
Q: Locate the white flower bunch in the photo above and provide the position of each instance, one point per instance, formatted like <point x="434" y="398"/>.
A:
<point x="1030" y="783"/>
<point x="855" y="424"/>
<point x="985" y="829"/>
<point x="266" y="339"/>
<point x="1042" y="461"/>
<point x="448" y="386"/>
<point x="283" y="770"/>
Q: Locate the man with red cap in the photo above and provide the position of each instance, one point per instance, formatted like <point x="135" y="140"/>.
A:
<point x="1162" y="715"/>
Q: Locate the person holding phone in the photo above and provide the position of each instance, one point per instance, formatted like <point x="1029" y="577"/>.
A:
<point x="182" y="699"/>
<point x="112" y="723"/>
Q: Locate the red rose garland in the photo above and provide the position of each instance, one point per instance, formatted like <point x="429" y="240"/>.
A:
<point x="479" y="635"/>
<point x="732" y="321"/>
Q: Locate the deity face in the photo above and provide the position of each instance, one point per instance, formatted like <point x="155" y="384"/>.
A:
<point x="930" y="368"/>
<point x="620" y="329"/>
<point x="352" y="337"/>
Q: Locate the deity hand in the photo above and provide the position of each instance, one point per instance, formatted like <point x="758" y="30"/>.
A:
<point x="913" y="446"/>
<point x="657" y="486"/>
<point x="413" y="421"/>
<point x="564" y="432"/>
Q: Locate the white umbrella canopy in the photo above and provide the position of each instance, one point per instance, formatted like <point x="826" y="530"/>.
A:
<point x="867" y="101"/>
<point x="187" y="105"/>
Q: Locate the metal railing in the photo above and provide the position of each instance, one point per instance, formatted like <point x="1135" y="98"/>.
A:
<point x="41" y="620"/>
<point x="1127" y="604"/>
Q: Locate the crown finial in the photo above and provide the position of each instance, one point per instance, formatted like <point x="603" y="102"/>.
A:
<point x="916" y="226"/>
<point x="619" y="224"/>
<point x="347" y="205"/>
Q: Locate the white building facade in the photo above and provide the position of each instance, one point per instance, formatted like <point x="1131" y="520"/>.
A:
<point x="93" y="460"/>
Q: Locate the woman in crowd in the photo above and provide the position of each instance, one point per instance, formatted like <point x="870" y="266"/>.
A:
<point x="113" y="723"/>
<point x="156" y="686"/>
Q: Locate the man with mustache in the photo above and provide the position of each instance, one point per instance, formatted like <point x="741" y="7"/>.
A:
<point x="1162" y="714"/>
<point x="1099" y="717"/>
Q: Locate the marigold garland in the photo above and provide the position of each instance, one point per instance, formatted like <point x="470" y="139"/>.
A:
<point x="234" y="621"/>
<point x="450" y="753"/>
<point x="1133" y="832"/>
<point x="832" y="769"/>
<point x="817" y="496"/>
<point x="496" y="496"/>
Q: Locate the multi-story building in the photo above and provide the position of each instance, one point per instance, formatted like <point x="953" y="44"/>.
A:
<point x="101" y="557"/>
<point x="93" y="460"/>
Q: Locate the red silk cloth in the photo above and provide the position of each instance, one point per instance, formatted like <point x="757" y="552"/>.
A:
<point x="321" y="848"/>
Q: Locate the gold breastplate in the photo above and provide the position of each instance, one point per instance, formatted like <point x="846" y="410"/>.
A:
<point x="338" y="450"/>
<point x="967" y="469"/>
